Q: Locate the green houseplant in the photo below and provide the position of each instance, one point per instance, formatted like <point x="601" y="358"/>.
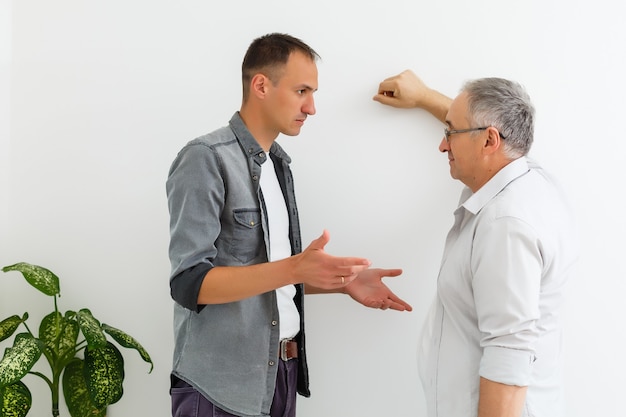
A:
<point x="89" y="368"/>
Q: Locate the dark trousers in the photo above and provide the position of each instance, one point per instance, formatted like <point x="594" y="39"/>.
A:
<point x="187" y="402"/>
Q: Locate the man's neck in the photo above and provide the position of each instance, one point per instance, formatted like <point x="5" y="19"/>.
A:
<point x="255" y="124"/>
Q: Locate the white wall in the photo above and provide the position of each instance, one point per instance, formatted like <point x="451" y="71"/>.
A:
<point x="105" y="93"/>
<point x="5" y="111"/>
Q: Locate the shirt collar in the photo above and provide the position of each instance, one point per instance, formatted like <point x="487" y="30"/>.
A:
<point x="476" y="201"/>
<point x="249" y="143"/>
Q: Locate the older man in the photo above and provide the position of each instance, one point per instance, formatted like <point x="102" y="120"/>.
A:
<point x="491" y="346"/>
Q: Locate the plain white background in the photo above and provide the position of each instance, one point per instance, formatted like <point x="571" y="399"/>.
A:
<point x="96" y="99"/>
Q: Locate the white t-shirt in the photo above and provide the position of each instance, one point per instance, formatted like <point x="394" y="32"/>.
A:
<point x="280" y="247"/>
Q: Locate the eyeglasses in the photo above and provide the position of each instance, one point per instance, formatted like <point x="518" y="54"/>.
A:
<point x="448" y="132"/>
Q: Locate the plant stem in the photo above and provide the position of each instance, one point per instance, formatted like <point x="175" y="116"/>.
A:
<point x="42" y="376"/>
<point x="56" y="376"/>
<point x="28" y="329"/>
<point x="54" y="389"/>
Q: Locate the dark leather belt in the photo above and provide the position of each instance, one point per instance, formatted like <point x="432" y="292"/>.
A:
<point x="288" y="349"/>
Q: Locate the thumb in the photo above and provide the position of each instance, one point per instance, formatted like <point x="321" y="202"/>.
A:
<point x="320" y="242"/>
<point x="380" y="98"/>
<point x="387" y="99"/>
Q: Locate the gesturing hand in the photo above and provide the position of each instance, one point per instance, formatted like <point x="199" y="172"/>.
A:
<point x="318" y="269"/>
<point x="368" y="289"/>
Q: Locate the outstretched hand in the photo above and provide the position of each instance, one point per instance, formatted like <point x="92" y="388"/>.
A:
<point x="369" y="290"/>
<point x="316" y="268"/>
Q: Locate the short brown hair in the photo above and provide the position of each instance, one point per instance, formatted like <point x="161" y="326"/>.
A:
<point x="268" y="54"/>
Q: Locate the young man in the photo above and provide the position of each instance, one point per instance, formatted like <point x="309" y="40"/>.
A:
<point x="492" y="344"/>
<point x="238" y="270"/>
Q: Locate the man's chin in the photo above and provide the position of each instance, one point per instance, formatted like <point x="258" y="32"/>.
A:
<point x="293" y="132"/>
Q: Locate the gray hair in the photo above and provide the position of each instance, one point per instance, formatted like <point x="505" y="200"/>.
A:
<point x="505" y="105"/>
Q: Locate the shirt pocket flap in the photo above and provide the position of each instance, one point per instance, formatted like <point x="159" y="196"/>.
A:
<point x="249" y="218"/>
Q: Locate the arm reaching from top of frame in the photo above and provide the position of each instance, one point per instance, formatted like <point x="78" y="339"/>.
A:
<point x="406" y="90"/>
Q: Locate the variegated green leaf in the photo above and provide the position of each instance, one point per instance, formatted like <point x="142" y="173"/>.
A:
<point x="9" y="325"/>
<point x="76" y="394"/>
<point x="58" y="334"/>
<point x="71" y="315"/>
<point x="19" y="359"/>
<point x="15" y="400"/>
<point x="91" y="329"/>
<point x="104" y="374"/>
<point x="128" y="341"/>
<point x="39" y="277"/>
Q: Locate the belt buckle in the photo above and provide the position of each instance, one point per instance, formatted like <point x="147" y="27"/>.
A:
<point x="283" y="349"/>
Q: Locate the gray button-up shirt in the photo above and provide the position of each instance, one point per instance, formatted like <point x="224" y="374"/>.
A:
<point x="228" y="352"/>
<point x="497" y="313"/>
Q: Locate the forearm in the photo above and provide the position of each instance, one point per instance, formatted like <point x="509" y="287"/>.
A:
<point x="313" y="267"/>
<point x="309" y="289"/>
<point x="436" y="104"/>
<point x="500" y="400"/>
<point x="224" y="284"/>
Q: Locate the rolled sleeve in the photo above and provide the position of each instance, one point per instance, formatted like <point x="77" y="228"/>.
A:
<point x="507" y="366"/>
<point x="185" y="287"/>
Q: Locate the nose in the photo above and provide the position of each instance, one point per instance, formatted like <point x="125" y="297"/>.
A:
<point x="444" y="146"/>
<point x="309" y="106"/>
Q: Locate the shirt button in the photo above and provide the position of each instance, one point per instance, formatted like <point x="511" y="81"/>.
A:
<point x="252" y="223"/>
<point x="274" y="322"/>
<point x="255" y="177"/>
<point x="261" y="155"/>
<point x="272" y="363"/>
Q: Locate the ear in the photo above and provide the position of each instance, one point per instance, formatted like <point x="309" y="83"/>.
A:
<point x="493" y="143"/>
<point x="258" y="85"/>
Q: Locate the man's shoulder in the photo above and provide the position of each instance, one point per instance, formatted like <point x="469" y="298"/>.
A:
<point x="219" y="136"/>
<point x="207" y="147"/>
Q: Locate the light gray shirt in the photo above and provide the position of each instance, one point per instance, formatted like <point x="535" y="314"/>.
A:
<point x="497" y="313"/>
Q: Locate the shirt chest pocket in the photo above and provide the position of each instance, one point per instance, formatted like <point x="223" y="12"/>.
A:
<point x="247" y="242"/>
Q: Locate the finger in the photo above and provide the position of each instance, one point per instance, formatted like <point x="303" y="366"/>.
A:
<point x="351" y="265"/>
<point x="321" y="241"/>
<point x="391" y="272"/>
<point x="382" y="98"/>
<point x="399" y="304"/>
<point x="343" y="280"/>
<point x="389" y="100"/>
<point x="388" y="90"/>
<point x="374" y="303"/>
<point x="388" y="84"/>
<point x="352" y="272"/>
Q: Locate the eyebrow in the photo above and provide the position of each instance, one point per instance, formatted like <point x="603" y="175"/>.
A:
<point x="306" y="87"/>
